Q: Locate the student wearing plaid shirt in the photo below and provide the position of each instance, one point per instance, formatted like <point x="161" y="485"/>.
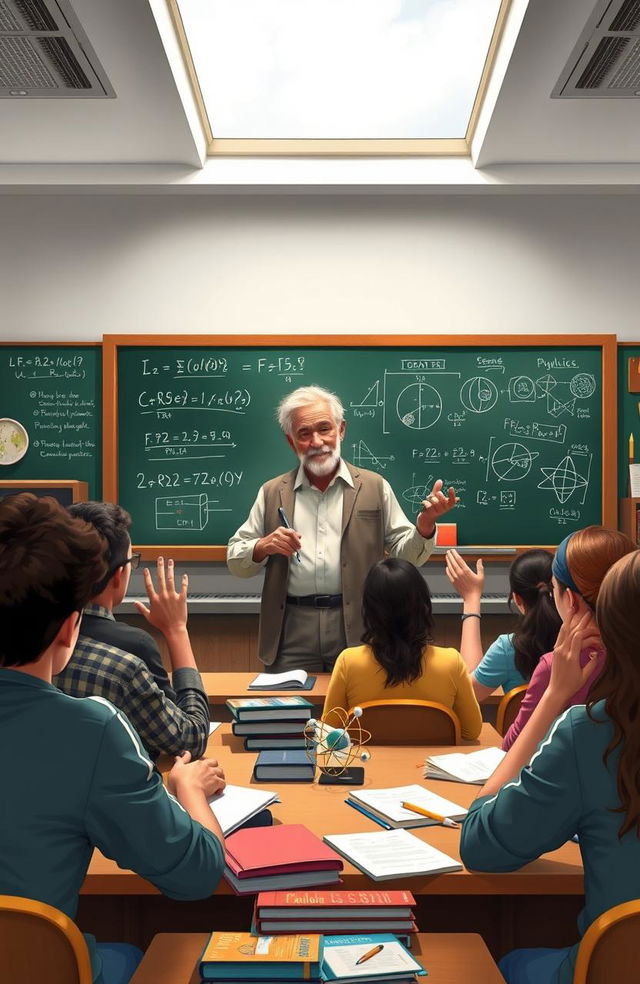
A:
<point x="104" y="669"/>
<point x="101" y="789"/>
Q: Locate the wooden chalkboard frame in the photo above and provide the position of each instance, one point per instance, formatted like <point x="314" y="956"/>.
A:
<point x="217" y="552"/>
<point x="79" y="490"/>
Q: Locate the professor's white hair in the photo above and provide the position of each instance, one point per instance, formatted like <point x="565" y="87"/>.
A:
<point x="304" y="396"/>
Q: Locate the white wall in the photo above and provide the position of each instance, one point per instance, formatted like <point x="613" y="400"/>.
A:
<point x="75" y="267"/>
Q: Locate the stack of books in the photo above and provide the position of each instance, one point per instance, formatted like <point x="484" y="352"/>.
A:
<point x="270" y="722"/>
<point x="285" y="856"/>
<point x="240" y="957"/>
<point x="331" y="911"/>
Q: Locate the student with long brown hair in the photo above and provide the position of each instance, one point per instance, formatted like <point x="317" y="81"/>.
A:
<point x="579" y="566"/>
<point x="583" y="779"/>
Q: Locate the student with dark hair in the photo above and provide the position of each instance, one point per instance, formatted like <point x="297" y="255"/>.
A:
<point x="397" y="660"/>
<point x="101" y="789"/>
<point x="584" y="777"/>
<point x="511" y="658"/>
<point x="114" y="523"/>
<point x="102" y="664"/>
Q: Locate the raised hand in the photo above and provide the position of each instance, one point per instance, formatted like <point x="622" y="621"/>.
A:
<point x="435" y="505"/>
<point x="167" y="609"/>
<point x="468" y="584"/>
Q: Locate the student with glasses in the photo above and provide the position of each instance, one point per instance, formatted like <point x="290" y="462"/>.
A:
<point x="122" y="663"/>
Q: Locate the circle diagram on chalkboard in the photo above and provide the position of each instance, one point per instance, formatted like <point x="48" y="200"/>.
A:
<point x="512" y="461"/>
<point x="419" y="406"/>
<point x="479" y="394"/>
<point x="565" y="479"/>
<point x="14" y="441"/>
<point x="583" y="385"/>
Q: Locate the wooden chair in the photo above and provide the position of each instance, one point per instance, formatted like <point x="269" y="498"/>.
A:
<point x="609" y="949"/>
<point x="410" y="722"/>
<point x="508" y="709"/>
<point x="40" y="943"/>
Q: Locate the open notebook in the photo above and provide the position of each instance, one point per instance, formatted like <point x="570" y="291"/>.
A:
<point x="387" y="805"/>
<point x="388" y="854"/>
<point x="290" y="680"/>
<point x="236" y="804"/>
<point x="472" y="767"/>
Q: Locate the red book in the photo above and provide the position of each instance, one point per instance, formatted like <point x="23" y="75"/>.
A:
<point x="287" y="847"/>
<point x="314" y="903"/>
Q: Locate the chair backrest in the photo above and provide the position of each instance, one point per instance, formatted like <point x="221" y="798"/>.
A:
<point x="40" y="943"/>
<point x="410" y="722"/>
<point x="508" y="709"/>
<point x="609" y="949"/>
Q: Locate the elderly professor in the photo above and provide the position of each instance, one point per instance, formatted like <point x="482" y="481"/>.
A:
<point x="317" y="530"/>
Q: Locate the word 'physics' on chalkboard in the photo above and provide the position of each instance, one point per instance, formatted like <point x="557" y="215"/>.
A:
<point x="520" y="430"/>
<point x="55" y="392"/>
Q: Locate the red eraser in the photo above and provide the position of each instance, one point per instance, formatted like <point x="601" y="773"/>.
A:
<point x="447" y="534"/>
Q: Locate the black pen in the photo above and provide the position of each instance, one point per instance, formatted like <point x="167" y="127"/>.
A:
<point x="285" y="522"/>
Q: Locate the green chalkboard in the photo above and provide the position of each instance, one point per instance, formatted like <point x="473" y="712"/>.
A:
<point x="54" y="391"/>
<point x="516" y="429"/>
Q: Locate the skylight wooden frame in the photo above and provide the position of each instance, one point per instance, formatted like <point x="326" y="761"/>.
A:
<point x="258" y="147"/>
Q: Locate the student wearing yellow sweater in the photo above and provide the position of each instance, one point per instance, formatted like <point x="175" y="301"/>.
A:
<point x="397" y="660"/>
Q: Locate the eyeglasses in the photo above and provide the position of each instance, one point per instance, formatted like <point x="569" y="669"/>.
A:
<point x="134" y="560"/>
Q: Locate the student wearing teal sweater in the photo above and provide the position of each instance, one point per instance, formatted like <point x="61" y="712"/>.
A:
<point x="75" y="775"/>
<point x="584" y="778"/>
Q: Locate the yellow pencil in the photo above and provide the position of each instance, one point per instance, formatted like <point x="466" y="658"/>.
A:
<point x="631" y="447"/>
<point x="445" y="821"/>
<point x="370" y="953"/>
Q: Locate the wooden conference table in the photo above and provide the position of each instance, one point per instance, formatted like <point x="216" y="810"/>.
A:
<point x="536" y="906"/>
<point x="449" y="958"/>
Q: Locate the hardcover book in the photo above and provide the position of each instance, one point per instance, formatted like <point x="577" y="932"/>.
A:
<point x="332" y="904"/>
<point x="270" y="708"/>
<point x="284" y="765"/>
<point x="241" y="956"/>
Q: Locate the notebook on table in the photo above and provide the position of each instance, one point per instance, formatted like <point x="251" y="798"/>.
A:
<point x="290" y="680"/>
<point x="388" y="854"/>
<point x="237" y="804"/>
<point x="386" y="804"/>
<point x="472" y="767"/>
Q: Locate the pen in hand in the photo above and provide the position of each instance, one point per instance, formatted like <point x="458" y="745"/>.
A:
<point x="370" y="953"/>
<point x="285" y="522"/>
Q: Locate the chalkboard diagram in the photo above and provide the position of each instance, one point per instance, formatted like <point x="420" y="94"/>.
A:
<point x="416" y="494"/>
<point x="371" y="398"/>
<point x="364" y="457"/>
<point x="583" y="385"/>
<point x="511" y="461"/>
<point x="479" y="394"/>
<point x="185" y="512"/>
<point x="522" y="389"/>
<point x="419" y="406"/>
<point x="565" y="479"/>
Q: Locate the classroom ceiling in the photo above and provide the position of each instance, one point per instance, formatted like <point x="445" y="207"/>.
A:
<point x="152" y="121"/>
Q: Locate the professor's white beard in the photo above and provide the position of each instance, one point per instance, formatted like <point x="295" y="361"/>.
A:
<point x="319" y="462"/>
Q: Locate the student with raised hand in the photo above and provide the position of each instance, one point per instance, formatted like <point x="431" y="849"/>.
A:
<point x="99" y="788"/>
<point x="512" y="657"/>
<point x="579" y="566"/>
<point x="397" y="660"/>
<point x="584" y="777"/>
<point x="111" y="659"/>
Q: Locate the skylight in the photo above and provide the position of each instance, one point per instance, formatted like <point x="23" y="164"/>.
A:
<point x="338" y="70"/>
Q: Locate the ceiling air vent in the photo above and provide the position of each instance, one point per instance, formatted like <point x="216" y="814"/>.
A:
<point x="605" y="62"/>
<point x="45" y="54"/>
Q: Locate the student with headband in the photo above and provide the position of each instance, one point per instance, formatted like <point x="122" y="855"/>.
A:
<point x="579" y="566"/>
<point x="576" y="772"/>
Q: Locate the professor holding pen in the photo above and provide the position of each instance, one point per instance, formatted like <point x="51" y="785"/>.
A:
<point x="317" y="530"/>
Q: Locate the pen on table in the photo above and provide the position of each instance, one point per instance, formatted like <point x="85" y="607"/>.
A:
<point x="365" y="813"/>
<point x="445" y="821"/>
<point x="370" y="953"/>
<point x="285" y="522"/>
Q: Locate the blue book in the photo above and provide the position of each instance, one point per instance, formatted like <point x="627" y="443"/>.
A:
<point x="270" y="708"/>
<point x="285" y="765"/>
<point x="368" y="957"/>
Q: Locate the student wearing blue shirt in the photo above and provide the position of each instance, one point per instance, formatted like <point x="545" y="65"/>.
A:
<point x="98" y="788"/>
<point x="583" y="779"/>
<point x="512" y="658"/>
